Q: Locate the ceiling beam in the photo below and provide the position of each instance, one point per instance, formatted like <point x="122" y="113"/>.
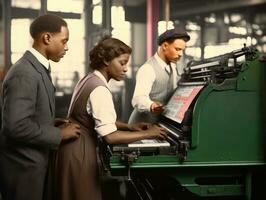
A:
<point x="18" y="13"/>
<point x="212" y="6"/>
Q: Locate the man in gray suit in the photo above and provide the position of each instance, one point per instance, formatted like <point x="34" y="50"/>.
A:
<point x="28" y="131"/>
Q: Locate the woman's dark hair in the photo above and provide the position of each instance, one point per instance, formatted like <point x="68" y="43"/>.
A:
<point x="49" y="23"/>
<point x="106" y="50"/>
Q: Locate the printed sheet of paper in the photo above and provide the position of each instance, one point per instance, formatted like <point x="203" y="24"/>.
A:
<point x="180" y="101"/>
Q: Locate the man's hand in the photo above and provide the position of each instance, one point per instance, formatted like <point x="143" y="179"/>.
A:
<point x="69" y="131"/>
<point x="157" y="108"/>
<point x="60" y="121"/>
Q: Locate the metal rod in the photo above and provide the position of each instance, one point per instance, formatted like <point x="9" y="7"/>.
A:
<point x="192" y="83"/>
<point x="166" y="13"/>
<point x="211" y="64"/>
<point x="198" y="72"/>
<point x="197" y="77"/>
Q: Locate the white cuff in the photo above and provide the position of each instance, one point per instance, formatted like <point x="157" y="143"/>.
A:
<point x="106" y="129"/>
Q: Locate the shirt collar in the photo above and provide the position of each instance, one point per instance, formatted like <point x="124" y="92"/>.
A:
<point x="40" y="58"/>
<point x="100" y="75"/>
<point x="161" y="61"/>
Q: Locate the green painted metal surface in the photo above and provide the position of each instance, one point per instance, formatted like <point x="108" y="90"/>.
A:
<point x="227" y="137"/>
<point x="229" y="122"/>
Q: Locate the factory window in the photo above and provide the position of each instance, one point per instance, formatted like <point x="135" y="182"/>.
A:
<point x="20" y="38"/>
<point x="223" y="33"/>
<point x="66" y="72"/>
<point x="33" y="4"/>
<point x="97" y="12"/>
<point x="162" y="26"/>
<point x="75" y="6"/>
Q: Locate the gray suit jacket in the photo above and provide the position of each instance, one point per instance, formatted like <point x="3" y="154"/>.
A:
<point x="27" y="132"/>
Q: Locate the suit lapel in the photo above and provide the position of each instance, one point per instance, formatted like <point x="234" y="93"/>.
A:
<point x="50" y="89"/>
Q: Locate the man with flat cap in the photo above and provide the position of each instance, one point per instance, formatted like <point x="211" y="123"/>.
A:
<point x="158" y="77"/>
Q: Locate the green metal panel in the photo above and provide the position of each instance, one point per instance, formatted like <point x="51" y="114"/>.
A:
<point x="229" y="119"/>
<point x="228" y="124"/>
<point x="227" y="138"/>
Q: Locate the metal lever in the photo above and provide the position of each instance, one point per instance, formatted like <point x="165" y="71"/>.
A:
<point x="127" y="160"/>
<point x="182" y="150"/>
<point x="128" y="174"/>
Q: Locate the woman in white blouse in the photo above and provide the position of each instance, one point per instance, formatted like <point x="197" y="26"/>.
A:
<point x="75" y="164"/>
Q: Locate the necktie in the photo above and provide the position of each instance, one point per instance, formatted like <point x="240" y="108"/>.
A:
<point x="169" y="70"/>
<point x="49" y="72"/>
<point x="170" y="85"/>
<point x="49" y="68"/>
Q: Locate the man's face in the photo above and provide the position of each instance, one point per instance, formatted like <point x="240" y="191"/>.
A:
<point x="174" y="51"/>
<point x="58" y="44"/>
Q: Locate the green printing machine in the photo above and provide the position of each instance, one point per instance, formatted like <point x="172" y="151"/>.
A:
<point x="216" y="131"/>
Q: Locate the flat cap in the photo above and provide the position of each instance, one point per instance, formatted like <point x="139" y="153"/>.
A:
<point x="176" y="33"/>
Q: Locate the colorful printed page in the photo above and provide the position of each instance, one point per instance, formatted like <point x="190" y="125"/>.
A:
<point x="180" y="101"/>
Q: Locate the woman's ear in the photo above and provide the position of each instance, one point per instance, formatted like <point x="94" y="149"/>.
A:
<point x="106" y="63"/>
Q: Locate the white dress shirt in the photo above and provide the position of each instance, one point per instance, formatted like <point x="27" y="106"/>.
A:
<point x="44" y="61"/>
<point x="144" y="81"/>
<point x="100" y="104"/>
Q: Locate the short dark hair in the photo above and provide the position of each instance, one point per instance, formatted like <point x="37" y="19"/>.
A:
<point x="48" y="22"/>
<point x="106" y="50"/>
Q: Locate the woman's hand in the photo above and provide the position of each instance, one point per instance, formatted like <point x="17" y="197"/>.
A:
<point x="156" y="132"/>
<point x="139" y="126"/>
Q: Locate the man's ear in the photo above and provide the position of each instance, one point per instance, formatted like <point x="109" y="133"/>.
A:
<point x="164" y="45"/>
<point x="46" y="38"/>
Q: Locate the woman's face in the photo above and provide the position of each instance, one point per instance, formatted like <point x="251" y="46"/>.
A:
<point x="117" y="67"/>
